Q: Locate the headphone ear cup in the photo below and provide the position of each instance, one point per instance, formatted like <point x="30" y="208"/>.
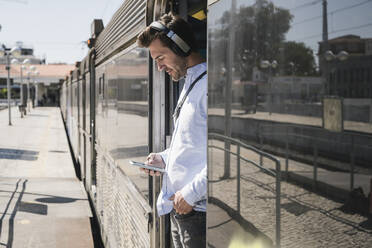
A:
<point x="177" y="50"/>
<point x="174" y="38"/>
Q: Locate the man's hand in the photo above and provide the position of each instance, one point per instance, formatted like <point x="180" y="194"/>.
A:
<point x="155" y="160"/>
<point x="179" y="204"/>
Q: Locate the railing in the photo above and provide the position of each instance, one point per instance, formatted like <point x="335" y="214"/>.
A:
<point x="315" y="149"/>
<point x="4" y="103"/>
<point x="12" y="102"/>
<point x="262" y="154"/>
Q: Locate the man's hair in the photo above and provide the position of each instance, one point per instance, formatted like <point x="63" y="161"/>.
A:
<point x="174" y="23"/>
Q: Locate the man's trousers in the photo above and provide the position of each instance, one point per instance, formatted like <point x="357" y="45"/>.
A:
<point x="188" y="230"/>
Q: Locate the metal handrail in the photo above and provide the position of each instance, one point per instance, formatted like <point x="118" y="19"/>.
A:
<point x="316" y="139"/>
<point x="313" y="140"/>
<point x="262" y="154"/>
<point x="246" y="160"/>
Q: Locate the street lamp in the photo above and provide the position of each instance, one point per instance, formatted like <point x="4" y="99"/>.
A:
<point x="265" y="64"/>
<point x="330" y="56"/>
<point x="15" y="51"/>
<point x="32" y="71"/>
<point x="36" y="73"/>
<point x="342" y="56"/>
<point x="22" y="67"/>
<point x="28" y="90"/>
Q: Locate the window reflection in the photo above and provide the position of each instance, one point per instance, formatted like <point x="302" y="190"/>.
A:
<point x="284" y="81"/>
<point x="125" y="93"/>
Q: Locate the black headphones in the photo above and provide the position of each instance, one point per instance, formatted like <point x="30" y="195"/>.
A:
<point x="179" y="46"/>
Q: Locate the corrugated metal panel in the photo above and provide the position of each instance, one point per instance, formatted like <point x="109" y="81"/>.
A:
<point x="134" y="211"/>
<point x="100" y="183"/>
<point x="122" y="210"/>
<point x="124" y="27"/>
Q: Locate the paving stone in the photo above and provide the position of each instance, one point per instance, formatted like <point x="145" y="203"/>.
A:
<point x="308" y="219"/>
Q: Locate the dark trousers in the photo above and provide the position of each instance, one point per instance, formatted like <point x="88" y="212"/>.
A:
<point x="188" y="230"/>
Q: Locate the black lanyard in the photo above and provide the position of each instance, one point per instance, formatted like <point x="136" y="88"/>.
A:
<point x="179" y="105"/>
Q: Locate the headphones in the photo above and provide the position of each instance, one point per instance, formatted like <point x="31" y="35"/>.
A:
<point x="178" y="45"/>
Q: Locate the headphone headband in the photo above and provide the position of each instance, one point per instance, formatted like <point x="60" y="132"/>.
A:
<point x="179" y="42"/>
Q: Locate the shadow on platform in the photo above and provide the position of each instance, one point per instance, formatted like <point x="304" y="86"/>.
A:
<point x="57" y="199"/>
<point x="18" y="154"/>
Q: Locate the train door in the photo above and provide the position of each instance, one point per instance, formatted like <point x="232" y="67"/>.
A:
<point x="71" y="107"/>
<point x="93" y="104"/>
<point x="82" y="121"/>
<point x="75" y="119"/>
<point x="68" y="106"/>
<point x="88" y="133"/>
<point x="165" y="95"/>
<point x="78" y="120"/>
<point x="159" y="87"/>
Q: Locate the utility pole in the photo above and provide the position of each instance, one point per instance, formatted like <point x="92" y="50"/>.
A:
<point x="325" y="25"/>
<point x="228" y="88"/>
<point x="8" y="87"/>
<point x="322" y="60"/>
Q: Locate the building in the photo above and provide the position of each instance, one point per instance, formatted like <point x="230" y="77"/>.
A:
<point x="26" y="53"/>
<point x="43" y="80"/>
<point x="349" y="78"/>
<point x="296" y="88"/>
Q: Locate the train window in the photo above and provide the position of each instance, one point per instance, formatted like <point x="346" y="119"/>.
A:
<point x="103" y="85"/>
<point x="291" y="78"/>
<point x="124" y="116"/>
<point x="100" y="86"/>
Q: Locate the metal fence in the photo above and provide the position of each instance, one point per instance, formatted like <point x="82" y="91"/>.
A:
<point x="262" y="154"/>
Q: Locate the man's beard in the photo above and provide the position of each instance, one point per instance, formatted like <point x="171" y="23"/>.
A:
<point x="181" y="70"/>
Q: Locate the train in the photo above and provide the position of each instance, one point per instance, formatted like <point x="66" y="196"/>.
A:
<point x="111" y="107"/>
<point x="270" y="112"/>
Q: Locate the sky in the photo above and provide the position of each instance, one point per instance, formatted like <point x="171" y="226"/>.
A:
<point x="55" y="29"/>
<point x="344" y="17"/>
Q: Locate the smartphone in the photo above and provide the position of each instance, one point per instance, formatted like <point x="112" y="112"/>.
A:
<point x="146" y="166"/>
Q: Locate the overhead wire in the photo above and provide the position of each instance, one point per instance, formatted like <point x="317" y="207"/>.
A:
<point x="333" y="12"/>
<point x="337" y="31"/>
<point x="306" y="5"/>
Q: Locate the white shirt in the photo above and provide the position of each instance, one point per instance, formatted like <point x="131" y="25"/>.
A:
<point x="186" y="157"/>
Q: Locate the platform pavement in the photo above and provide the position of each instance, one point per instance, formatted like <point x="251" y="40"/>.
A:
<point x="308" y="219"/>
<point x="332" y="183"/>
<point x="42" y="203"/>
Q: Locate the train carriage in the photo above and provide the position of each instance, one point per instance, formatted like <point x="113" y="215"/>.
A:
<point x="271" y="124"/>
<point x="109" y="109"/>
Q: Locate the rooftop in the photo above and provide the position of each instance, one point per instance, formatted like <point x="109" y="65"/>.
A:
<point x="45" y="71"/>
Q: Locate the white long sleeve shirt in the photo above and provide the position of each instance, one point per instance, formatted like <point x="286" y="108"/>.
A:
<point x="186" y="157"/>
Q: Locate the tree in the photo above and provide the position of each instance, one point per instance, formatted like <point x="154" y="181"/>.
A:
<point x="260" y="35"/>
<point x="3" y="93"/>
<point x="261" y="29"/>
<point x="298" y="59"/>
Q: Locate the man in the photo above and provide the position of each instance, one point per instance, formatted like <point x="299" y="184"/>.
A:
<point x="172" y="45"/>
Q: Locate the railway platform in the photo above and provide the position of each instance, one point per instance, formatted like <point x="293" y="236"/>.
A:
<point x="42" y="203"/>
